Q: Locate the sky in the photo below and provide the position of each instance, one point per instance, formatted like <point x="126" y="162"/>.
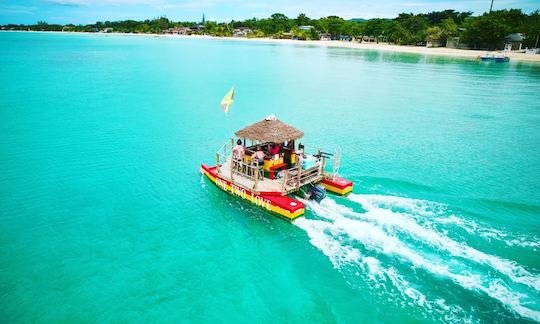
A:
<point x="90" y="11"/>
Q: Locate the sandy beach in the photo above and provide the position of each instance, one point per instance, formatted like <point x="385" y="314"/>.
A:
<point x="438" y="51"/>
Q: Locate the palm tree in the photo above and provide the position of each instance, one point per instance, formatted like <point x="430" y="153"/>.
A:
<point x="278" y="34"/>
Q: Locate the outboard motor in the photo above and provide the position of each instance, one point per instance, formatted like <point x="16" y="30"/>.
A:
<point x="318" y="192"/>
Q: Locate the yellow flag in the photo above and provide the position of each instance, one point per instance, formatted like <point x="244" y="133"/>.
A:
<point x="228" y="100"/>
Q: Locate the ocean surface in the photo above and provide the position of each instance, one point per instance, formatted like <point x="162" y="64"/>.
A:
<point x="105" y="217"/>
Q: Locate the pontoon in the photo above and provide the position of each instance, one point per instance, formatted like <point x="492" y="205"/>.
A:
<point x="274" y="181"/>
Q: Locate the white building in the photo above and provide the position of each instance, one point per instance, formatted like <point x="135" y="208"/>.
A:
<point x="242" y="32"/>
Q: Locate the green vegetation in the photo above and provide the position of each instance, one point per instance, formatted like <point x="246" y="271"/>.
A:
<point x="486" y="31"/>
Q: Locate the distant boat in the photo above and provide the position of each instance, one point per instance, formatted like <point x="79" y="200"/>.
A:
<point x="494" y="58"/>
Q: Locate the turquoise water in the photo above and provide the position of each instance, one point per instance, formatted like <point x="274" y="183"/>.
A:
<point x="105" y="217"/>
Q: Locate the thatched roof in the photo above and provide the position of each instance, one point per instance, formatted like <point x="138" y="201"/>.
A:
<point x="516" y="37"/>
<point x="270" y="129"/>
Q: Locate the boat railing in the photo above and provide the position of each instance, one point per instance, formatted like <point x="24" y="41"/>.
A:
<point x="292" y="178"/>
<point x="224" y="154"/>
<point x="250" y="169"/>
<point x="326" y="157"/>
<point x="337" y="163"/>
<point x="296" y="177"/>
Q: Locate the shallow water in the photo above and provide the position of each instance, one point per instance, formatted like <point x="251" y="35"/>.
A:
<point x="105" y="216"/>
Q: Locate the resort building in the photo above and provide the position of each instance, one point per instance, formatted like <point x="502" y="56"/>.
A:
<point x="452" y="42"/>
<point x="175" y="31"/>
<point x="433" y="43"/>
<point x="242" y="32"/>
<point x="184" y="31"/>
<point x="374" y="39"/>
<point x="514" y="41"/>
<point x="325" y="36"/>
<point x="197" y="28"/>
<point x="306" y="28"/>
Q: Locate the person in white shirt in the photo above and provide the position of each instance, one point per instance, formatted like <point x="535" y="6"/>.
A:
<point x="239" y="151"/>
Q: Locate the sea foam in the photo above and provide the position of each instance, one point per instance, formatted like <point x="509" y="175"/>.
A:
<point x="381" y="230"/>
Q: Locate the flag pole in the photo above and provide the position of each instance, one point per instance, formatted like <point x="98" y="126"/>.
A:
<point x="228" y="117"/>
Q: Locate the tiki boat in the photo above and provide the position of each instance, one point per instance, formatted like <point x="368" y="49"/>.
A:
<point x="272" y="170"/>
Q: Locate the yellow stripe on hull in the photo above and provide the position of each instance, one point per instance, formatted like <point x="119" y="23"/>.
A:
<point x="338" y="191"/>
<point x="280" y="211"/>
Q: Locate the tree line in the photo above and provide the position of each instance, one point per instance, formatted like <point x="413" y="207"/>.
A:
<point x="486" y="31"/>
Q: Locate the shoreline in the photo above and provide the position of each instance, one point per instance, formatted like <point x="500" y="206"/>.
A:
<point x="422" y="50"/>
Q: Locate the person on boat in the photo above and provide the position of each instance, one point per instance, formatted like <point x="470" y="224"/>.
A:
<point x="239" y="150"/>
<point x="300" y="151"/>
<point x="274" y="149"/>
<point x="299" y="158"/>
<point x="300" y="155"/>
<point x="259" y="156"/>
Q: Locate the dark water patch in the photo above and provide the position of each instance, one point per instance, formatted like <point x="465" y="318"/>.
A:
<point x="480" y="116"/>
<point x="388" y="185"/>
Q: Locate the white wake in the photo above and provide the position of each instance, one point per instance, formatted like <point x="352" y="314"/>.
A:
<point x="401" y="229"/>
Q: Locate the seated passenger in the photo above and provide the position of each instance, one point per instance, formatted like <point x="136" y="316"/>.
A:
<point x="259" y="156"/>
<point x="238" y="151"/>
<point x="274" y="149"/>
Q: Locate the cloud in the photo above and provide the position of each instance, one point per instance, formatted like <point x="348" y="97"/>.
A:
<point x="74" y="3"/>
<point x="117" y="3"/>
<point x="18" y="9"/>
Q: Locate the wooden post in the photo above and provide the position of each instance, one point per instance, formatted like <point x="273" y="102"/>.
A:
<point x="232" y="165"/>
<point x="256" y="177"/>
<point x="284" y="184"/>
<point x="299" y="174"/>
